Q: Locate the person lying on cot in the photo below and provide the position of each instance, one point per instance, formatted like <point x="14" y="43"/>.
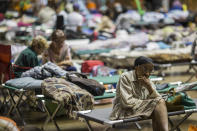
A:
<point x="59" y="52"/>
<point x="136" y="95"/>
<point x="28" y="57"/>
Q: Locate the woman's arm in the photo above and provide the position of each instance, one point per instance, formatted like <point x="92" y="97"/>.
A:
<point x="45" y="57"/>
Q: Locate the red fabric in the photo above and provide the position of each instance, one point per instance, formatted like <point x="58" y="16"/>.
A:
<point x="5" y="64"/>
<point x="21" y="67"/>
<point x="4" y="72"/>
<point x="23" y="24"/>
<point x="95" y="34"/>
<point x="5" y="53"/>
<point x="88" y="65"/>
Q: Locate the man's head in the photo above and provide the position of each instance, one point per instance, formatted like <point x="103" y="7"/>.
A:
<point x="143" y="66"/>
<point x="58" y="37"/>
<point x="39" y="44"/>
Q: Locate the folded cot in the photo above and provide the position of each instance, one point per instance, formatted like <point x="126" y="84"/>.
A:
<point x="52" y="112"/>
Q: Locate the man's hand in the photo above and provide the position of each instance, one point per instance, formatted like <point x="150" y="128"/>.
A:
<point x="145" y="82"/>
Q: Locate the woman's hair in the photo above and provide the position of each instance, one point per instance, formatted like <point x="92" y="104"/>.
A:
<point x="58" y="34"/>
<point x="39" y="42"/>
<point x="142" y="60"/>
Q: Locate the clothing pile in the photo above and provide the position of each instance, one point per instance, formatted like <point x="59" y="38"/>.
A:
<point x="47" y="70"/>
<point x="72" y="96"/>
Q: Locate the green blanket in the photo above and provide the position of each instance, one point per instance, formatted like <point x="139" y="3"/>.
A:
<point x="110" y="79"/>
<point x="96" y="51"/>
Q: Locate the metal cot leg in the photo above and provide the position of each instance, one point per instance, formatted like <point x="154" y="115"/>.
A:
<point x="51" y="116"/>
<point x="88" y="124"/>
<point x="14" y="105"/>
<point x="138" y="126"/>
<point x="181" y="121"/>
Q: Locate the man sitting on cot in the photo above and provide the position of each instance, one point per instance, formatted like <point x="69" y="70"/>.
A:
<point x="136" y="95"/>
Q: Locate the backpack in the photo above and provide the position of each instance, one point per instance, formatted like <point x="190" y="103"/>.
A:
<point x="180" y="101"/>
<point x="92" y="86"/>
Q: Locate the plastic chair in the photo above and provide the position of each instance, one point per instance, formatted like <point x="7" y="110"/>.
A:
<point x="5" y="72"/>
<point x="9" y="102"/>
<point x="5" y="63"/>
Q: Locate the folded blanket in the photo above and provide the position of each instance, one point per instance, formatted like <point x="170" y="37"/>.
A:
<point x="47" y="70"/>
<point x="72" y="96"/>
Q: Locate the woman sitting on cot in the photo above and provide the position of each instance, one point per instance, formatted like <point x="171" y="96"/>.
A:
<point x="136" y="95"/>
<point x="28" y="57"/>
<point x="59" y="52"/>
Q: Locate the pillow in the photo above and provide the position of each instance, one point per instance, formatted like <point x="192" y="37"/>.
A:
<point x="24" y="83"/>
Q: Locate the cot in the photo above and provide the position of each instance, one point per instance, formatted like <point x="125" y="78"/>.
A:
<point x="97" y="115"/>
<point x="102" y="116"/>
<point x="16" y="97"/>
<point x="40" y="98"/>
<point x="114" y="79"/>
<point x="51" y="112"/>
<point x="192" y="66"/>
<point x="91" y="53"/>
<point x="15" y="106"/>
<point x="112" y="93"/>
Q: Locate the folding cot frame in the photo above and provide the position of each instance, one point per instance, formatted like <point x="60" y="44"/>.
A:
<point x="13" y="91"/>
<point x="51" y="115"/>
<point x="192" y="66"/>
<point x="111" y="124"/>
<point x="102" y="116"/>
<point x="15" y="105"/>
<point x="11" y="101"/>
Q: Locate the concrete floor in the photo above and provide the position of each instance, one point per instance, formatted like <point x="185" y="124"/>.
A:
<point x="74" y="125"/>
